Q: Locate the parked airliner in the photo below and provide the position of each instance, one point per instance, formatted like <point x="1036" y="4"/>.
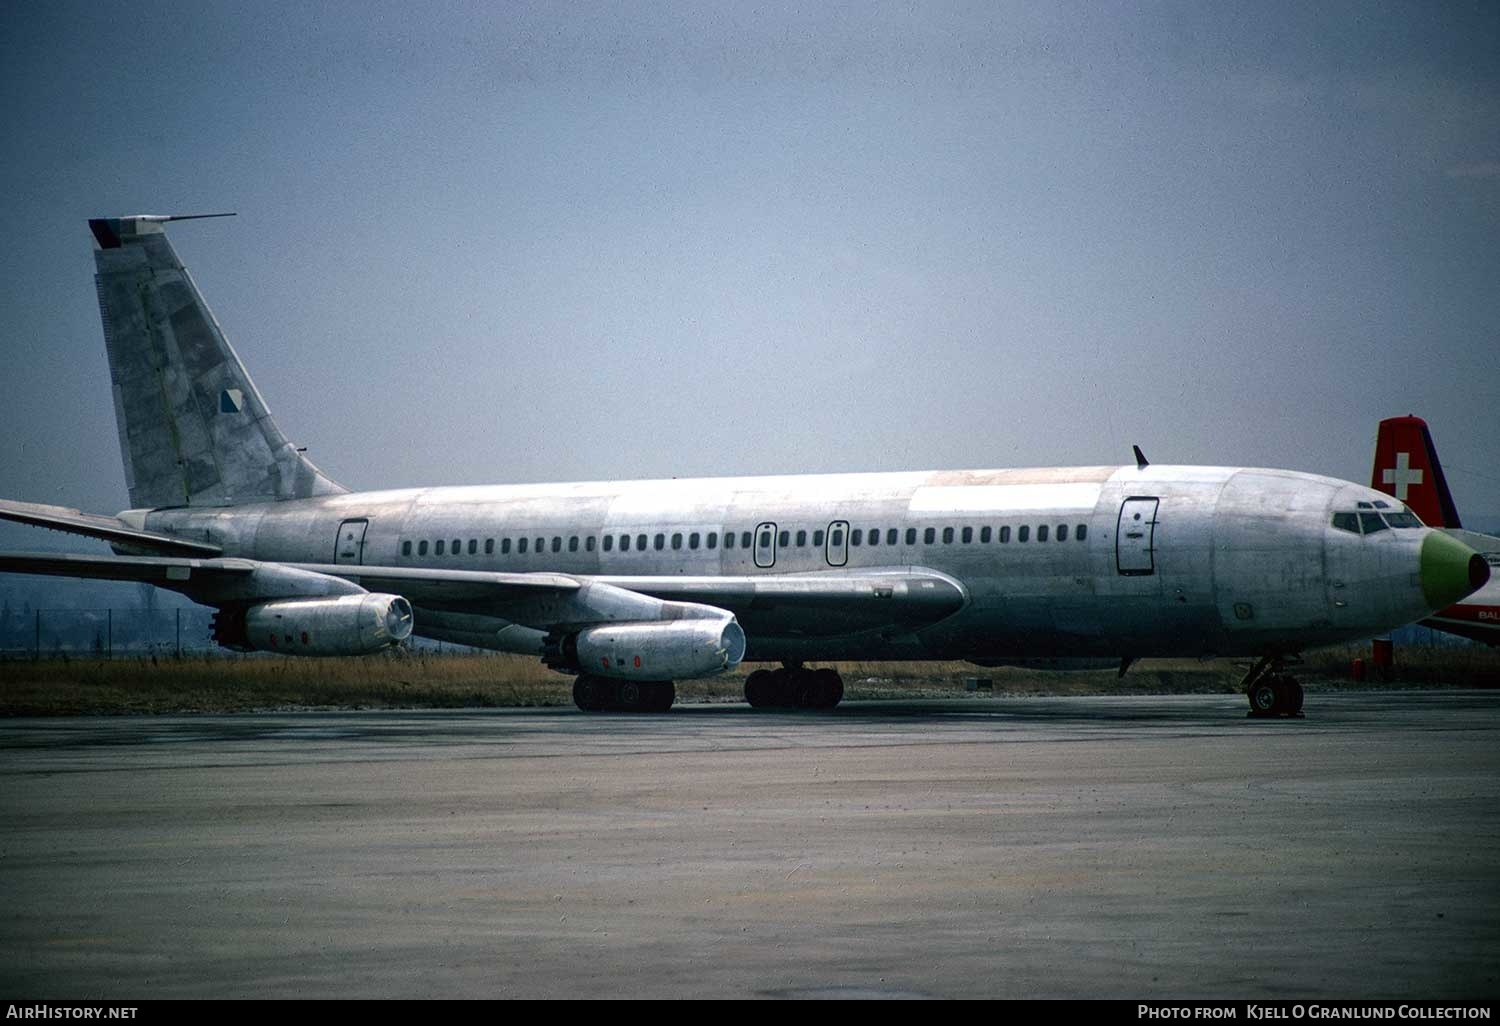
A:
<point x="630" y="585"/>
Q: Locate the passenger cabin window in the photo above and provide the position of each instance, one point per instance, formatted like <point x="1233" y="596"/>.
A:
<point x="1062" y="532"/>
<point x="1347" y="522"/>
<point x="1023" y="533"/>
<point x="947" y="536"/>
<point x="728" y="540"/>
<point x="473" y="546"/>
<point x="856" y="536"/>
<point x="406" y="548"/>
<point x="556" y="543"/>
<point x="624" y="543"/>
<point x="911" y="536"/>
<point x="489" y="546"/>
<point x="801" y="539"/>
<point x="660" y="542"/>
<point x="891" y="536"/>
<point x="1082" y="533"/>
<point x="744" y="539"/>
<point x="521" y="546"/>
<point x="874" y="536"/>
<point x="1371" y="522"/>
<point x="677" y="540"/>
<point x="505" y="546"/>
<point x="837" y="540"/>
<point x="640" y="542"/>
<point x="541" y="545"/>
<point x="609" y="543"/>
<point x="713" y="539"/>
<point x="693" y="540"/>
<point x="785" y="538"/>
<point x="984" y="535"/>
<point x="1004" y="535"/>
<point x="588" y="544"/>
<point x="818" y="540"/>
<point x="456" y="549"/>
<point x="968" y="535"/>
<point x="437" y="549"/>
<point x="573" y="543"/>
<point x="1041" y="533"/>
<point x="421" y="548"/>
<point x="929" y="536"/>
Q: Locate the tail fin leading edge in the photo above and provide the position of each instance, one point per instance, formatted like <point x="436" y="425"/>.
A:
<point x="1407" y="468"/>
<point x="194" y="431"/>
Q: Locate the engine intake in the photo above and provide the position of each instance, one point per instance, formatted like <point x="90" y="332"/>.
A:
<point x="346" y="625"/>
<point x="675" y="650"/>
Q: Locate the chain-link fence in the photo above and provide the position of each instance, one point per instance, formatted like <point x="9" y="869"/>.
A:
<point x="105" y="632"/>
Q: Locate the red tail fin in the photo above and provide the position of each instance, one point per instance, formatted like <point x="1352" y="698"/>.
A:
<point x="1407" y="467"/>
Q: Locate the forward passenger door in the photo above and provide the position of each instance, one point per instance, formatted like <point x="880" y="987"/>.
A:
<point x="1135" y="536"/>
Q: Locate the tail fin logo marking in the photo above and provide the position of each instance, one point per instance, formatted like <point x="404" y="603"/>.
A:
<point x="1401" y="475"/>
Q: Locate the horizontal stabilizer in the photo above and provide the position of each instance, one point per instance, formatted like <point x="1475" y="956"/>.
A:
<point x="164" y="571"/>
<point x="110" y="529"/>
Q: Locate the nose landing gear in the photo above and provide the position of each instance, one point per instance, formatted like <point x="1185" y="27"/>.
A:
<point x="1272" y="691"/>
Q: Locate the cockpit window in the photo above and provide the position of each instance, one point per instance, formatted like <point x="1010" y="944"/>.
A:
<point x="1382" y="504"/>
<point x="1371" y="522"/>
<point x="1346" y="522"/>
<point x="1402" y="520"/>
<point x="1364" y="505"/>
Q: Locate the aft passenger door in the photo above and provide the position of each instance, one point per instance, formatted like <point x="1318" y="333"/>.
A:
<point x="350" y="547"/>
<point x="765" y="545"/>
<point x="1135" y="552"/>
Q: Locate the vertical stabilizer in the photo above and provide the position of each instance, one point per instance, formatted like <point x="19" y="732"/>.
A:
<point x="1407" y="467"/>
<point x="193" y="429"/>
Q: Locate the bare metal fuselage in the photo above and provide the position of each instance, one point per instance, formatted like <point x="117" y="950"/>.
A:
<point x="1091" y="561"/>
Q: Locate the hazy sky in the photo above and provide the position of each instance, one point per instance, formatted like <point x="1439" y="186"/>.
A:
<point x="508" y="242"/>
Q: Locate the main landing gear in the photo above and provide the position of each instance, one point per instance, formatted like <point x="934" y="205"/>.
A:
<point x="794" y="687"/>
<point x="1271" y="690"/>
<point x="604" y="694"/>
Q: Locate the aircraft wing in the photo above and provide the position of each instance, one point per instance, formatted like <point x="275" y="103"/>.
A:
<point x="216" y="581"/>
<point x="845" y="601"/>
<point x="110" y="529"/>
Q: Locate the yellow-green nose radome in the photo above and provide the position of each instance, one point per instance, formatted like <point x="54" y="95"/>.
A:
<point x="1450" y="570"/>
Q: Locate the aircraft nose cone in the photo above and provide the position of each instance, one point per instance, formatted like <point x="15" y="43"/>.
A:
<point x="1450" y="570"/>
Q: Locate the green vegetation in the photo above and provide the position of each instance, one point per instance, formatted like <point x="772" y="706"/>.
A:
<point x="229" y="683"/>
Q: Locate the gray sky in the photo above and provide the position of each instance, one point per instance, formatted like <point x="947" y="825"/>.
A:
<point x="507" y="242"/>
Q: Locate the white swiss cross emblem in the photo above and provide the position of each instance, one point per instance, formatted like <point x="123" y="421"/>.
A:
<point x="1401" y="475"/>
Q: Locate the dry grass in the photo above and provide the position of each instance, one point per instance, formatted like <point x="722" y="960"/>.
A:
<point x="229" y="683"/>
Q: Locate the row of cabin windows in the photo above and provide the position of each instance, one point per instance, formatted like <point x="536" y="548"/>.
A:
<point x="786" y="539"/>
<point x="966" y="535"/>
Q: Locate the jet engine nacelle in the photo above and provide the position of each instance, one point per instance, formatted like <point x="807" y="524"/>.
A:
<point x="346" y="625"/>
<point x="674" y="650"/>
